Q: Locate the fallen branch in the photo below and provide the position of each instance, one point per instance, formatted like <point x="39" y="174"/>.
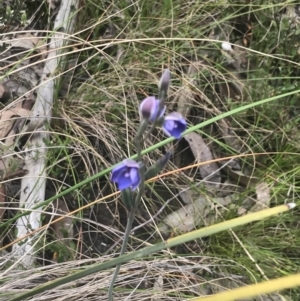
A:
<point x="34" y="183"/>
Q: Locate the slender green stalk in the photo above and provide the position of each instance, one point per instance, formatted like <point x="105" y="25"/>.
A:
<point x="130" y="220"/>
<point x="141" y="189"/>
<point x="132" y="211"/>
<point x="141" y="130"/>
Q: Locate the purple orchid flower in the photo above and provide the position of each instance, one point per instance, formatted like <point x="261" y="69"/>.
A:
<point x="174" y="125"/>
<point x="126" y="174"/>
<point x="149" y="108"/>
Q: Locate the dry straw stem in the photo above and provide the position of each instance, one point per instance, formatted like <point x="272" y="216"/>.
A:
<point x="172" y="242"/>
<point x="179" y="273"/>
<point x="33" y="185"/>
<point x="255" y="289"/>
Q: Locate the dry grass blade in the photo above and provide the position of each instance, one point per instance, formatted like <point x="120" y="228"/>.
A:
<point x="141" y="279"/>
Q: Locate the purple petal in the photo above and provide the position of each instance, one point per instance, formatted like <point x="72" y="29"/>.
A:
<point x="174" y="116"/>
<point x="174" y="125"/>
<point x="136" y="183"/>
<point x="176" y="133"/>
<point x="154" y="111"/>
<point x="133" y="174"/>
<point x="118" y="171"/>
<point x="167" y="132"/>
<point x="126" y="174"/>
<point x="135" y="178"/>
<point x="124" y="183"/>
<point x="149" y="108"/>
<point x="169" y="125"/>
<point x="131" y="163"/>
<point x="162" y="112"/>
<point x="180" y="127"/>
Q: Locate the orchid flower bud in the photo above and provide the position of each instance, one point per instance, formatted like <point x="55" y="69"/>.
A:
<point x="164" y="81"/>
<point x="158" y="166"/>
<point x="150" y="108"/>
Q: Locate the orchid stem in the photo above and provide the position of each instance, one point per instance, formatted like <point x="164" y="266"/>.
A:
<point x="130" y="220"/>
<point x="126" y="194"/>
<point x="141" y="130"/>
<point x="131" y="213"/>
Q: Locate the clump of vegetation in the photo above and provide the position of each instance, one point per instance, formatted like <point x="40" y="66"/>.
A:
<point x="115" y="59"/>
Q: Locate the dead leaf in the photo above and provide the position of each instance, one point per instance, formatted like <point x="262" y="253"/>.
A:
<point x="262" y="197"/>
<point x="28" y="101"/>
<point x="185" y="98"/>
<point x="11" y="123"/>
<point x="192" y="215"/>
<point x="26" y="41"/>
<point x="262" y="200"/>
<point x="210" y="172"/>
<point x="187" y="195"/>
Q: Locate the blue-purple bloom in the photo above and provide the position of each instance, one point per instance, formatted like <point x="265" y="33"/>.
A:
<point x="149" y="108"/>
<point x="126" y="174"/>
<point x="174" y="125"/>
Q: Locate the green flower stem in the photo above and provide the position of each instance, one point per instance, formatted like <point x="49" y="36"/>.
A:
<point x="141" y="130"/>
<point x="131" y="212"/>
<point x="130" y="220"/>
<point x="161" y="97"/>
<point x="141" y="189"/>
